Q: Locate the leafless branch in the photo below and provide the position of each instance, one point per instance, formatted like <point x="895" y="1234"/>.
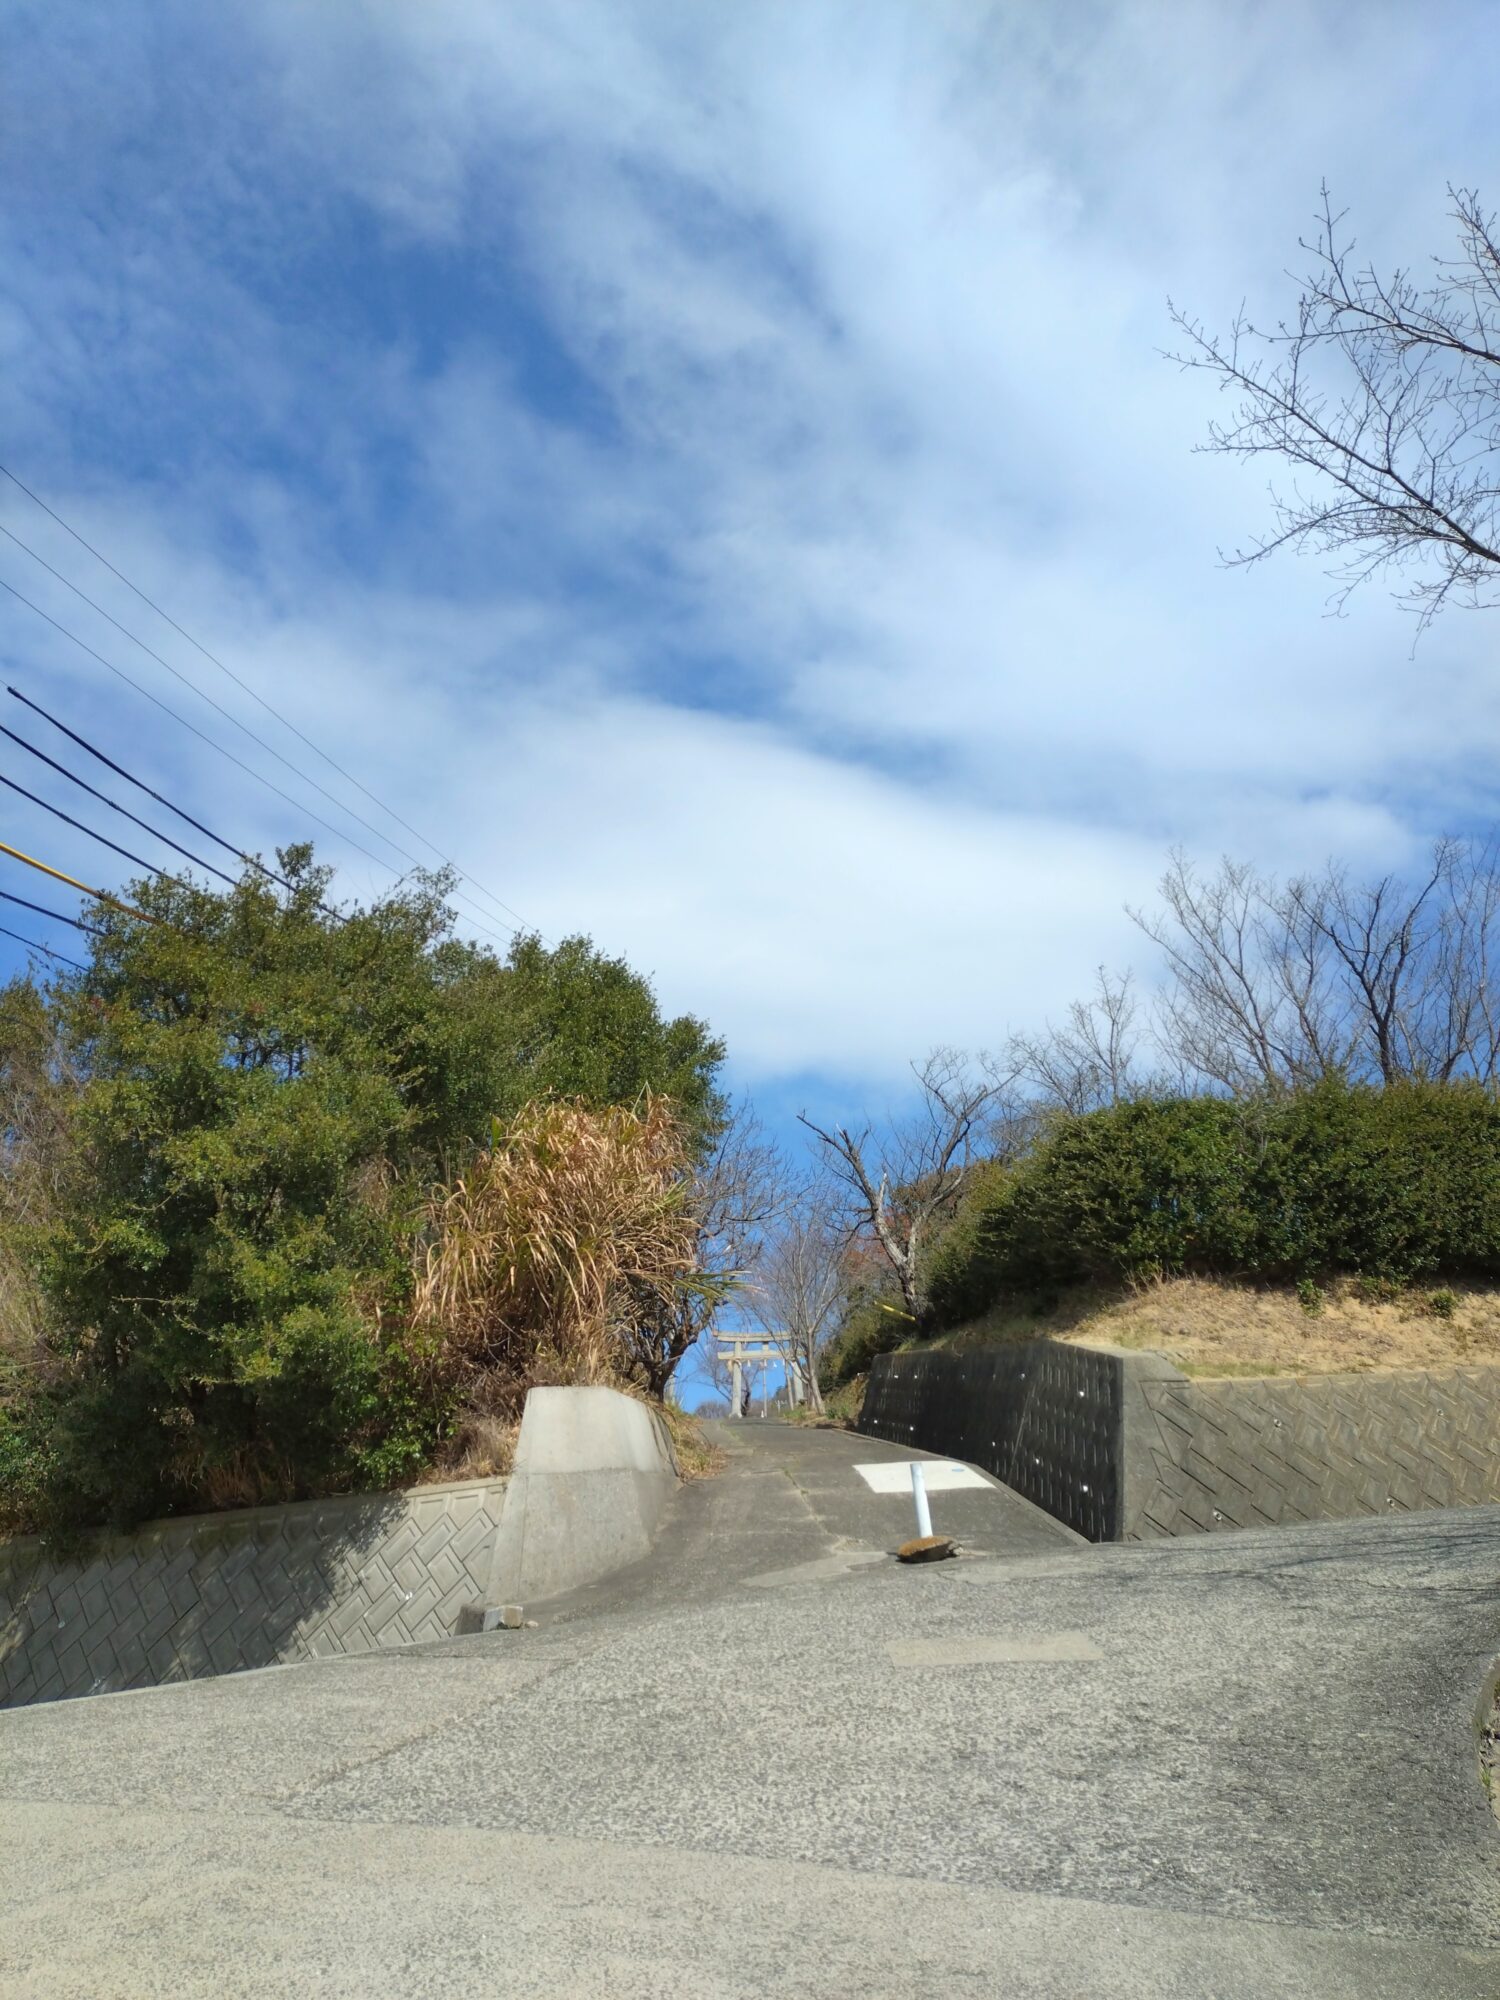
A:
<point x="896" y="1187"/>
<point x="1385" y="393"/>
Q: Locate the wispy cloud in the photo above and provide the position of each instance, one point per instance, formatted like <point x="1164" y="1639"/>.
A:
<point x="714" y="469"/>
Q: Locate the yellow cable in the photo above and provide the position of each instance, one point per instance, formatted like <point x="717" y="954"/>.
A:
<point x="99" y="895"/>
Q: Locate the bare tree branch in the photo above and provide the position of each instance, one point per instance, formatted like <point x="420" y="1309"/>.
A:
<point x="1271" y="988"/>
<point x="1386" y="392"/>
<point x="1091" y="1060"/>
<point x="895" y="1188"/>
<point x="801" y="1283"/>
<point x="735" y="1191"/>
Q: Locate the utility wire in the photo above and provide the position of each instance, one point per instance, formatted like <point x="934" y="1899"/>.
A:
<point x="32" y="945"/>
<point x="166" y="709"/>
<point x="68" y="820"/>
<point x="114" y="806"/>
<point x="99" y="895"/>
<point x="203" y="737"/>
<point x="250" y="860"/>
<point x="228" y="714"/>
<point x="58" y="916"/>
<point x="217" y="707"/>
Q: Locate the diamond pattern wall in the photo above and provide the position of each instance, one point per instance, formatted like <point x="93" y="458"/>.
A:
<point x="1240" y="1454"/>
<point x="258" y="1588"/>
<point x="1123" y="1446"/>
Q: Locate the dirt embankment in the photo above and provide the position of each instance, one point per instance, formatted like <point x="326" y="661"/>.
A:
<point x="1209" y="1327"/>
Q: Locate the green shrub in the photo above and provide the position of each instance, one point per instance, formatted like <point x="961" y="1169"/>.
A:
<point x="871" y="1325"/>
<point x="966" y="1266"/>
<point x="25" y="1464"/>
<point x="1394" y="1185"/>
<point x="1380" y="1291"/>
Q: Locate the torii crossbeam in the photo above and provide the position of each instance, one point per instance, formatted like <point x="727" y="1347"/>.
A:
<point x="747" y="1350"/>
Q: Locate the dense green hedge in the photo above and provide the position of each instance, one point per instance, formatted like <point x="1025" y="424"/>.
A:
<point x="1399" y="1183"/>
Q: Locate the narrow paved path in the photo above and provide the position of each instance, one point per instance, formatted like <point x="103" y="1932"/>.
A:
<point x="771" y="1761"/>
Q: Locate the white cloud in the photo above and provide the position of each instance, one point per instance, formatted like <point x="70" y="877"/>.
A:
<point x="843" y="638"/>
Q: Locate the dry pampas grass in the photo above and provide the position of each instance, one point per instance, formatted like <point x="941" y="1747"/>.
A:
<point x="532" y="1267"/>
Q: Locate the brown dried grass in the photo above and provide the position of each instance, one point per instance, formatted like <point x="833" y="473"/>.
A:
<point x="1214" y="1327"/>
<point x="529" y="1266"/>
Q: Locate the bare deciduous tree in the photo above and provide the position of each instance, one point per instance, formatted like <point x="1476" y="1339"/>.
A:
<point x="1386" y="392"/>
<point x="896" y="1187"/>
<point x="1271" y="986"/>
<point x="1091" y="1060"/>
<point x="741" y="1189"/>
<point x="739" y="1186"/>
<point x="1251" y="1003"/>
<point x="801" y="1283"/>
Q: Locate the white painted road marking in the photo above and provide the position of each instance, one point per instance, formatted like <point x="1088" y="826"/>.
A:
<point x="939" y="1475"/>
<point x="984" y="1652"/>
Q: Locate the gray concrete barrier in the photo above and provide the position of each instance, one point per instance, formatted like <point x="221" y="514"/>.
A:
<point x="593" y="1474"/>
<point x="264" y="1586"/>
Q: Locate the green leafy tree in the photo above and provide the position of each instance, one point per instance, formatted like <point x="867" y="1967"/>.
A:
<point x="266" y="1088"/>
<point x="579" y="1024"/>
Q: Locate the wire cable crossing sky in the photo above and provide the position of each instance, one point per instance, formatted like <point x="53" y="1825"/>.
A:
<point x="716" y="471"/>
<point x="218" y="707"/>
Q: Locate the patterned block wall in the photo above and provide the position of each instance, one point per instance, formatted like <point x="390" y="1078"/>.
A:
<point x="1042" y="1417"/>
<point x="1208" y="1455"/>
<point x="219" y="1592"/>
<point x="1123" y="1446"/>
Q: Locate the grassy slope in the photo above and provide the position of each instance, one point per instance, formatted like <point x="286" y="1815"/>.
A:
<point x="1210" y="1327"/>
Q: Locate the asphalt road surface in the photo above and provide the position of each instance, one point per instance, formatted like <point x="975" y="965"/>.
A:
<point x="772" y="1761"/>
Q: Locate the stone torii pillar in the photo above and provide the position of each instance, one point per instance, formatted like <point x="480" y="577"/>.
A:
<point x="742" y="1350"/>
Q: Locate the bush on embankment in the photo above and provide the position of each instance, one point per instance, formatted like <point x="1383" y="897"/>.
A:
<point x="1401" y="1184"/>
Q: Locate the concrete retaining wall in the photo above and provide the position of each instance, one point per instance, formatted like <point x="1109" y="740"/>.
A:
<point x="1246" y="1453"/>
<point x="214" y="1593"/>
<point x="1122" y="1446"/>
<point x="1042" y="1417"/>
<point x="593" y="1474"/>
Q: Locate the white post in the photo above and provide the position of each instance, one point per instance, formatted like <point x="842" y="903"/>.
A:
<point x="919" y="1495"/>
<point x="735" y="1391"/>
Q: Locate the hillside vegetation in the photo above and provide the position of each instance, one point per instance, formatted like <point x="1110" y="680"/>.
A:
<point x="1337" y="1226"/>
<point x="296" y="1199"/>
<point x="1210" y="1326"/>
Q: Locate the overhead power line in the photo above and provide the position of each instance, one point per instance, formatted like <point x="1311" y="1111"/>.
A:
<point x="57" y="874"/>
<point x="167" y="709"/>
<point x="68" y="820"/>
<point x="32" y="945"/>
<point x="203" y="737"/>
<point x="254" y="694"/>
<point x="217" y="706"/>
<point x="250" y="860"/>
<point x="114" y="806"/>
<point x="57" y="915"/>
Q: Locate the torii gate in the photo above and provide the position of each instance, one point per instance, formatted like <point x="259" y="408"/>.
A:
<point x="742" y="1350"/>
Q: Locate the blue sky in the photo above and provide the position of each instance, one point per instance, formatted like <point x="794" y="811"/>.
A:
<point x="712" y="470"/>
